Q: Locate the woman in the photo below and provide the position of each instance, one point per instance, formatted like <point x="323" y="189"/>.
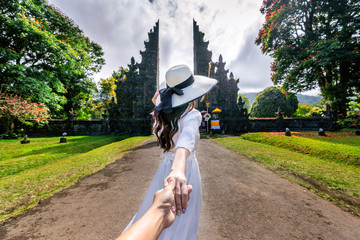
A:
<point x="177" y="129"/>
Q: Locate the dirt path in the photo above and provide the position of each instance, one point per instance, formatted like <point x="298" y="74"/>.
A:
<point x="241" y="200"/>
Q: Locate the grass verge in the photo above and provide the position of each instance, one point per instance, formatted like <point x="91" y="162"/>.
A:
<point x="332" y="180"/>
<point x="15" y="157"/>
<point x="22" y="191"/>
<point x="341" y="149"/>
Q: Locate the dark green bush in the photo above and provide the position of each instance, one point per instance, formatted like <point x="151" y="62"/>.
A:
<point x="9" y="134"/>
<point x="268" y="101"/>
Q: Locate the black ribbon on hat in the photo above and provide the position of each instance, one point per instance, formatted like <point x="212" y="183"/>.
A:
<point x="166" y="95"/>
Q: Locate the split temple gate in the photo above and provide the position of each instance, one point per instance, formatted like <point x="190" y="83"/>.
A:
<point x="130" y="111"/>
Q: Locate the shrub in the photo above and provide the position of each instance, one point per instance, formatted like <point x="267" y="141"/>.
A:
<point x="303" y="110"/>
<point x="352" y="119"/>
<point x="268" y="101"/>
<point x="9" y="134"/>
<point x="245" y="100"/>
<point x="14" y="108"/>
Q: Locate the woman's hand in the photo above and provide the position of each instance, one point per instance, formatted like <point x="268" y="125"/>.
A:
<point x="164" y="201"/>
<point x="181" y="191"/>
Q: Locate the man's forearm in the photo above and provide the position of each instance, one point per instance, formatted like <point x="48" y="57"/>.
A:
<point x="149" y="227"/>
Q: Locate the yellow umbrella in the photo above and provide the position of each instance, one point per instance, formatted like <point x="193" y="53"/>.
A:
<point x="216" y="110"/>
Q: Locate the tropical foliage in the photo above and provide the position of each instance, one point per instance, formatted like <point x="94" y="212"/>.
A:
<point x="107" y="91"/>
<point x="44" y="56"/>
<point x="352" y="119"/>
<point x="268" y="101"/>
<point x="14" y="108"/>
<point x="314" y="43"/>
<point x="245" y="100"/>
<point x="305" y="110"/>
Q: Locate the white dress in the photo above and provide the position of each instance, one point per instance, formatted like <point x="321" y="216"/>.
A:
<point x="185" y="227"/>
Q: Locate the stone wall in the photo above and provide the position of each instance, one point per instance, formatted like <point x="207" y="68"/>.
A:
<point x="294" y="124"/>
<point x="56" y="127"/>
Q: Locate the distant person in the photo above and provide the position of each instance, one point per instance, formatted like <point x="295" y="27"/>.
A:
<point x="160" y="215"/>
<point x="177" y="129"/>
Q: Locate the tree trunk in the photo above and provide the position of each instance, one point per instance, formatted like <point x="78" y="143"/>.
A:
<point x="342" y="93"/>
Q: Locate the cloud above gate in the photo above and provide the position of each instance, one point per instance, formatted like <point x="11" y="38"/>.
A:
<point x="121" y="27"/>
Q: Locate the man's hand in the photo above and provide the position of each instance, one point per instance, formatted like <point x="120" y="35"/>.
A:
<point x="160" y="215"/>
<point x="164" y="200"/>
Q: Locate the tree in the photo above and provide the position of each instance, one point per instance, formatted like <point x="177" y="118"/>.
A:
<point x="44" y="55"/>
<point x="269" y="100"/>
<point x="245" y="100"/>
<point x="15" y="108"/>
<point x="314" y="43"/>
<point x="305" y="110"/>
<point x="107" y="91"/>
<point x="293" y="102"/>
<point x="352" y="119"/>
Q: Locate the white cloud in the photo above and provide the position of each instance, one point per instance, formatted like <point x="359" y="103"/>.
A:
<point x="121" y="27"/>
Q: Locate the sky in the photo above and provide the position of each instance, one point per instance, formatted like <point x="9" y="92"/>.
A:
<point x="121" y="27"/>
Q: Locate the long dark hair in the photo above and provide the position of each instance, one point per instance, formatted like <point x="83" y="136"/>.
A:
<point x="167" y="125"/>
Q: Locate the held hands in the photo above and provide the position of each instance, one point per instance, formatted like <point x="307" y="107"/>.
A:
<point x="164" y="201"/>
<point x="181" y="190"/>
<point x="160" y="215"/>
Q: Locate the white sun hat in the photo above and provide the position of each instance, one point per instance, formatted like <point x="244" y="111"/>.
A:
<point x="182" y="87"/>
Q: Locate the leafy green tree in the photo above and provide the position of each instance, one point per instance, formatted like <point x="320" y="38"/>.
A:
<point x="92" y="109"/>
<point x="352" y="119"/>
<point x="293" y="102"/>
<point x="314" y="43"/>
<point x="245" y="100"/>
<point x="44" y="55"/>
<point x="107" y="91"/>
<point x="305" y="110"/>
<point x="269" y="100"/>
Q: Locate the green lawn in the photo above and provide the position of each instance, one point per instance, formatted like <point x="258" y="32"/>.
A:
<point x="15" y="158"/>
<point x="348" y="137"/>
<point x="334" y="148"/>
<point x="330" y="168"/>
<point x="35" y="171"/>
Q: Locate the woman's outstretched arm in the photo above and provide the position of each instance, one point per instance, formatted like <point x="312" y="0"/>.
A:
<point x="186" y="142"/>
<point x="177" y="172"/>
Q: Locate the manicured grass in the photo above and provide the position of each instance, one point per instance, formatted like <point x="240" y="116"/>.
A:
<point x="53" y="166"/>
<point x="347" y="138"/>
<point x="339" y="181"/>
<point x="15" y="157"/>
<point x="335" y="147"/>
